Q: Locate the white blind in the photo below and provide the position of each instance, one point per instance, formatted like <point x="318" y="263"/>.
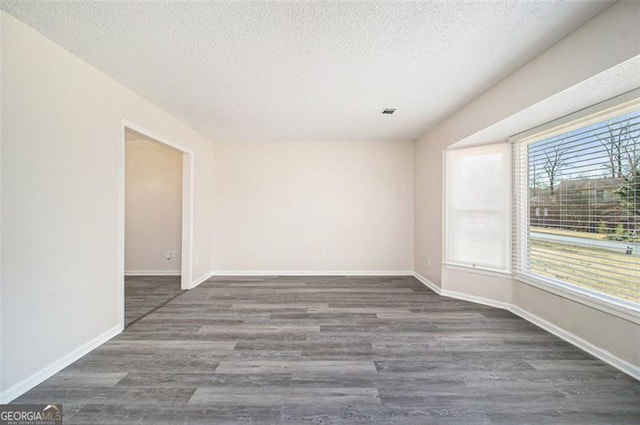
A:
<point x="576" y="208"/>
<point x="477" y="200"/>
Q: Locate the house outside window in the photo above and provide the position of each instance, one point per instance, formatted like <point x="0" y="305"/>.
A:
<point x="585" y="175"/>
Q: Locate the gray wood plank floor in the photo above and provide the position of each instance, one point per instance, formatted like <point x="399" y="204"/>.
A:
<point x="335" y="350"/>
<point x="143" y="294"/>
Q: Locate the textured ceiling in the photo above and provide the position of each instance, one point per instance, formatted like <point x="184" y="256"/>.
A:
<point x="615" y="81"/>
<point x="307" y="71"/>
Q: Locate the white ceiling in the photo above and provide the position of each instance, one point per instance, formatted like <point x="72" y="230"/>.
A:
<point x="620" y="79"/>
<point x="312" y="70"/>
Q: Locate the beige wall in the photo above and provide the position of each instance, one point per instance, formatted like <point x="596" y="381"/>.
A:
<point x="618" y="336"/>
<point x="274" y="206"/>
<point x="153" y="207"/>
<point x="62" y="162"/>
<point x="608" y="40"/>
<point x="313" y="207"/>
<point x="492" y="286"/>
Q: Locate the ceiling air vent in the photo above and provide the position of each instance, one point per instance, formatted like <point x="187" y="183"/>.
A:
<point x="388" y="111"/>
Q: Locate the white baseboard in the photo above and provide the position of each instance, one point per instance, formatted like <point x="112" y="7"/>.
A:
<point x="201" y="279"/>
<point x="426" y="282"/>
<point x="459" y="295"/>
<point x="475" y="299"/>
<point x="620" y="364"/>
<point x="313" y="273"/>
<point x="26" y="384"/>
<point x="152" y="273"/>
<point x="602" y="354"/>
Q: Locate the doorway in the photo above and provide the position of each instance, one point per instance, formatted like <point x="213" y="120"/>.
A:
<point x="156" y="211"/>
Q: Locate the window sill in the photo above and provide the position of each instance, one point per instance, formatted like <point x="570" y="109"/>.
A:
<point x="621" y="309"/>
<point x="503" y="274"/>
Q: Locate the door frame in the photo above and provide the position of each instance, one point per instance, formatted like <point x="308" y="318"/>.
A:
<point x="186" y="267"/>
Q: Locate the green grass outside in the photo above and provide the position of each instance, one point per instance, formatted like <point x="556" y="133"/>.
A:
<point x="586" y="235"/>
<point x="616" y="274"/>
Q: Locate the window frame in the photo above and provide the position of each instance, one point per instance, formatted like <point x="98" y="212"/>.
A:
<point x="616" y="106"/>
<point x="447" y="262"/>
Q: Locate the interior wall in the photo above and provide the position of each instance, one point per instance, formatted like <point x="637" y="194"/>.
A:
<point x="616" y="335"/>
<point x="153" y="208"/>
<point x="608" y="40"/>
<point x="2" y="342"/>
<point x="343" y="206"/>
<point x="487" y="286"/>
<point x="62" y="169"/>
<point x="313" y="207"/>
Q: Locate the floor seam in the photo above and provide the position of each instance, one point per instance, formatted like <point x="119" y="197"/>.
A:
<point x="155" y="309"/>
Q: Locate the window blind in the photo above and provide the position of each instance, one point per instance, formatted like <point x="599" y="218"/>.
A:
<point x="477" y="204"/>
<point x="576" y="208"/>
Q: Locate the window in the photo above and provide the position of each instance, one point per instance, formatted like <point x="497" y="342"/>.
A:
<point x="477" y="199"/>
<point x="576" y="208"/>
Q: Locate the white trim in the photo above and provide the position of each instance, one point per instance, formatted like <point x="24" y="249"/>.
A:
<point x="26" y="384"/>
<point x="604" y="355"/>
<point x="201" y="279"/>
<point x="187" y="220"/>
<point x="313" y="273"/>
<point x="140" y="142"/>
<point x="443" y="206"/>
<point x="426" y="282"/>
<point x="475" y="299"/>
<point x="152" y="272"/>
<point x="187" y="207"/>
<point x="459" y="295"/>
<point x="502" y="274"/>
<point x="617" y="105"/>
<point x="503" y="148"/>
<point x="607" y="357"/>
<point x="583" y="297"/>
<point x="601" y="111"/>
<point x="121" y="223"/>
<point x="154" y="137"/>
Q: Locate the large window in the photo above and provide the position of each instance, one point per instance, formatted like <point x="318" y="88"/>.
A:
<point x="577" y="206"/>
<point x="477" y="199"/>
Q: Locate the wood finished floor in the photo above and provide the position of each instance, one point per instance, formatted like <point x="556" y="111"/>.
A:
<point x="143" y="294"/>
<point x="338" y="350"/>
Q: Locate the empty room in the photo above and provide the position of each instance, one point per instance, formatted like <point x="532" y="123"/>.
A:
<point x="332" y="212"/>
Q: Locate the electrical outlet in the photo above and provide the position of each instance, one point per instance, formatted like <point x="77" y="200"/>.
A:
<point x="196" y="260"/>
<point x="428" y="261"/>
<point x="167" y="255"/>
<point x="323" y="254"/>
